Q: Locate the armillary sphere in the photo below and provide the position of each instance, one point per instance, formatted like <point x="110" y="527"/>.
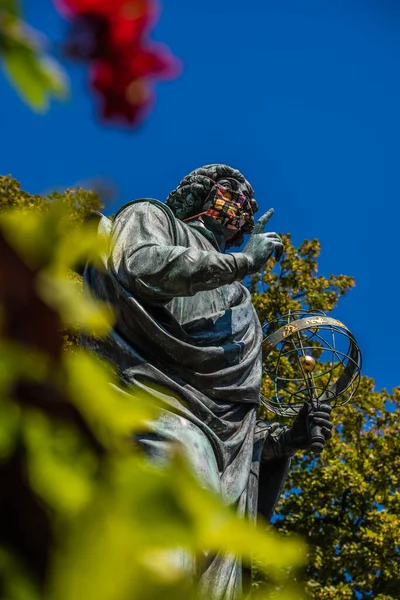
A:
<point x="308" y="357"/>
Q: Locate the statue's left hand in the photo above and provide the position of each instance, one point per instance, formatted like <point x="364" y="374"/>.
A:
<point x="298" y="436"/>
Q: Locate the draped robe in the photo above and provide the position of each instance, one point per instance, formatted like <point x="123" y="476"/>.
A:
<point x="187" y="324"/>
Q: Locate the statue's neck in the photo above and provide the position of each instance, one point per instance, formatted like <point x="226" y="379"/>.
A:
<point x="215" y="236"/>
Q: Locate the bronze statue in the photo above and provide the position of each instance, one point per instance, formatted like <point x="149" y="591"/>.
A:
<point x="185" y="323"/>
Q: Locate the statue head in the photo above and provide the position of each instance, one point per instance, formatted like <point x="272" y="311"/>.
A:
<point x="221" y="196"/>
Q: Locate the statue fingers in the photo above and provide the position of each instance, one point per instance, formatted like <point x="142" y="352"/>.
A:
<point x="304" y="410"/>
<point x="276" y="240"/>
<point x="272" y="234"/>
<point x="327" y="433"/>
<point x="259" y="226"/>
<point x="322" y="421"/>
<point x="318" y="447"/>
<point x="319" y="414"/>
<point x="278" y="251"/>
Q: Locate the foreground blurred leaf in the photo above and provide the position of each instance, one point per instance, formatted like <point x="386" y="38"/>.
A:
<point x="9" y="426"/>
<point x="16" y="362"/>
<point x="15" y="581"/>
<point x="40" y="236"/>
<point x="147" y="514"/>
<point x="74" y="307"/>
<point x="35" y="76"/>
<point x="9" y="7"/>
<point x="113" y="413"/>
<point x="59" y="465"/>
<point x="50" y="240"/>
<point x="220" y="530"/>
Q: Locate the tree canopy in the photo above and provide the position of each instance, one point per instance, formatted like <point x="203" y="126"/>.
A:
<point x="346" y="503"/>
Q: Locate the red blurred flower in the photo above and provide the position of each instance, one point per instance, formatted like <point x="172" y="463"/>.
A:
<point x="132" y="8"/>
<point x="125" y="86"/>
<point x="111" y="35"/>
<point x="106" y="24"/>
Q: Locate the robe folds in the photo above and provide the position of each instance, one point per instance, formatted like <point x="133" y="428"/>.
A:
<point x="186" y="325"/>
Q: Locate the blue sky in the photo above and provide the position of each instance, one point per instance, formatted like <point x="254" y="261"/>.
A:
<point x="302" y="97"/>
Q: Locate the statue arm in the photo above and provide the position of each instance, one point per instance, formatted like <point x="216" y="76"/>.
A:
<point x="145" y="258"/>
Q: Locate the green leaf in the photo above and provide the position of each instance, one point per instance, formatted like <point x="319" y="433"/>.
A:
<point x="113" y="413"/>
<point x="35" y="78"/>
<point x="23" y="70"/>
<point x="59" y="465"/>
<point x="10" y="7"/>
<point x="17" y="582"/>
<point x="92" y="316"/>
<point x="55" y="77"/>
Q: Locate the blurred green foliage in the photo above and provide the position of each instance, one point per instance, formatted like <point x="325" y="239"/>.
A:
<point x="82" y="513"/>
<point x="35" y="75"/>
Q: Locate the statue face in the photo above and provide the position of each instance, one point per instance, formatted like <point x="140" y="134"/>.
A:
<point x="228" y="208"/>
<point x="224" y="203"/>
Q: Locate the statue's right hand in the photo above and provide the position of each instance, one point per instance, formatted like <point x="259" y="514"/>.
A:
<point x="261" y="246"/>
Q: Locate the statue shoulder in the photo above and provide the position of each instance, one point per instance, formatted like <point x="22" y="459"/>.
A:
<point x="146" y="210"/>
<point x="142" y="205"/>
